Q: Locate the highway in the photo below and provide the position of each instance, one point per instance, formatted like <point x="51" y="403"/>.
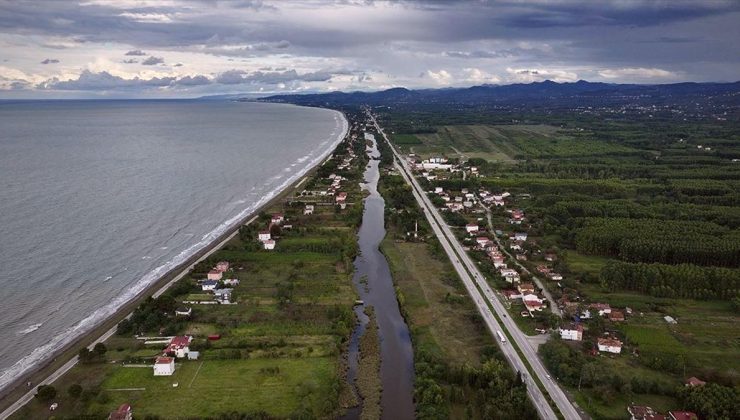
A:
<point x="485" y="300"/>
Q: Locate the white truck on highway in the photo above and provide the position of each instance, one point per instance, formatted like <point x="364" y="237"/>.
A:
<point x="501" y="336"/>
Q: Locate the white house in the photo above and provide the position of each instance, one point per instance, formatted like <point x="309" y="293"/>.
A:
<point x="555" y="276"/>
<point x="183" y="311"/>
<point x="179" y="346"/>
<point x="482" y="241"/>
<point x="471" y="228"/>
<point x="499" y="203"/>
<point x="269" y="244"/>
<point x="208" y="285"/>
<point x="438" y="190"/>
<point x="164" y="366"/>
<point x="603" y="308"/>
<point x="308" y="210"/>
<point x="572" y="332"/>
<point x="223" y="295"/>
<point x="520" y="236"/>
<point x="610" y="345"/>
<point x="264" y="236"/>
<point x="231" y="282"/>
<point x="277" y="218"/>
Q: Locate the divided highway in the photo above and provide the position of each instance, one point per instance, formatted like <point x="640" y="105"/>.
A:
<point x="485" y="300"/>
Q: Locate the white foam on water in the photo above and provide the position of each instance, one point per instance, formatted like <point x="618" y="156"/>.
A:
<point x="70" y="334"/>
<point x="30" y="329"/>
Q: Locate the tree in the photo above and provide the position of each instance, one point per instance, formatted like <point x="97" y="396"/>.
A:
<point x="74" y="390"/>
<point x="46" y="393"/>
<point x="99" y="350"/>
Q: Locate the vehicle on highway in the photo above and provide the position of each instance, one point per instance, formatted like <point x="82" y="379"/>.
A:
<point x="501" y="336"/>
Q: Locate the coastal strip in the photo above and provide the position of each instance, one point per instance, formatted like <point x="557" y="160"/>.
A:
<point x="17" y="393"/>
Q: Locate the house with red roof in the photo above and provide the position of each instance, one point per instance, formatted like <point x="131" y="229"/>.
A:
<point x="610" y="345"/>
<point x="694" y="381"/>
<point x="179" y="346"/>
<point x="616" y="316"/>
<point x="277" y="218"/>
<point x="222" y="266"/>
<point x="122" y="413"/>
<point x="572" y="332"/>
<point x="215" y="275"/>
<point x="682" y="415"/>
<point x="164" y="366"/>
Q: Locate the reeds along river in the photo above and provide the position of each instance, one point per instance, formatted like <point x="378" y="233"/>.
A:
<point x="100" y="198"/>
<point x="372" y="278"/>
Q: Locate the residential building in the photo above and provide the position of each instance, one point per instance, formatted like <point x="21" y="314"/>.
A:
<point x="215" y="275"/>
<point x="610" y="345"/>
<point x="616" y="316"/>
<point x="208" y="285"/>
<point x="264" y="236"/>
<point x="183" y="311"/>
<point x="269" y="244"/>
<point x="164" y="366"/>
<point x="179" y="346"/>
<point x="222" y="266"/>
<point x="520" y="236"/>
<point x="308" y="210"/>
<point x="572" y="332"/>
<point x="471" y="228"/>
<point x="122" y="413"/>
<point x="602" y="308"/>
<point x="640" y="412"/>
<point x="683" y="415"/>
<point x="694" y="381"/>
<point x="277" y="218"/>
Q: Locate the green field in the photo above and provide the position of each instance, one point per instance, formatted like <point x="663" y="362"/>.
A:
<point x="211" y="386"/>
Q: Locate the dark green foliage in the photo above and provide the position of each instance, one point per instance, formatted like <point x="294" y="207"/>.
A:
<point x="685" y="280"/>
<point x="712" y="401"/>
<point x="74" y="390"/>
<point x="153" y="315"/>
<point x="46" y="393"/>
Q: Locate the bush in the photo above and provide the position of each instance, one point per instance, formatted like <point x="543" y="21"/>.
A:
<point x="46" y="393"/>
<point x="74" y="390"/>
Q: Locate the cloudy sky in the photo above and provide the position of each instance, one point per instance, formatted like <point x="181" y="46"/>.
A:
<point x="187" y="48"/>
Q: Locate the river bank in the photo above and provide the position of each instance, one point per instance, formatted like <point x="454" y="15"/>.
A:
<point x="61" y="360"/>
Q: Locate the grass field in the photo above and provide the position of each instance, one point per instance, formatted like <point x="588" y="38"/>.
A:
<point x="505" y="143"/>
<point x="222" y="386"/>
<point x="440" y="325"/>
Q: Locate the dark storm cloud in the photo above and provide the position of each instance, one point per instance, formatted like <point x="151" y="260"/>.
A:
<point x="136" y="53"/>
<point x="152" y="61"/>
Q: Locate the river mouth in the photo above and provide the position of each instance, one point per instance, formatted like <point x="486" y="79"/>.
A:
<point x="374" y="284"/>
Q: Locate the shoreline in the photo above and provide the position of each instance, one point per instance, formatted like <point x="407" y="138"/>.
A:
<point x="63" y="359"/>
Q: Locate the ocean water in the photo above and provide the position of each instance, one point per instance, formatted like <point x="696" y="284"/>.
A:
<point x="100" y="198"/>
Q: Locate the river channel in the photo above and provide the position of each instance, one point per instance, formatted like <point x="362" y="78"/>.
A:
<point x="373" y="281"/>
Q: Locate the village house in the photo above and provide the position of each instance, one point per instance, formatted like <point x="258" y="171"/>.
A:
<point x="215" y="275"/>
<point x="277" y="218"/>
<point x="208" y="285"/>
<point x="640" y="412"/>
<point x="521" y="257"/>
<point x="264" y="236"/>
<point x="471" y="228"/>
<point x="610" y="345"/>
<point x="341" y="199"/>
<point x="520" y="236"/>
<point x="694" y="381"/>
<point x="511" y="294"/>
<point x="616" y="316"/>
<point x="123" y="412"/>
<point x="179" y="346"/>
<point x="164" y="366"/>
<point x="543" y="269"/>
<point x="508" y="273"/>
<point x="555" y="276"/>
<point x="269" y="244"/>
<point x="183" y="311"/>
<point x="550" y="257"/>
<point x="308" y="210"/>
<point x="499" y="203"/>
<point x="223" y="296"/>
<point x="515" y="247"/>
<point x="231" y="282"/>
<point x="602" y="308"/>
<point x="482" y="241"/>
<point x="572" y="332"/>
<point x="498" y="259"/>
<point x="525" y="288"/>
<point x="683" y="415"/>
<point x="438" y="190"/>
<point x="222" y="266"/>
<point x="532" y="302"/>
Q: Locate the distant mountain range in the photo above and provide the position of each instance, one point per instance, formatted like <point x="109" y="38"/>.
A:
<point x="538" y="94"/>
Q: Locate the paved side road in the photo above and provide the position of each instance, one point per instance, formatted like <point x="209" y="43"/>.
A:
<point x="553" y="304"/>
<point x="461" y="261"/>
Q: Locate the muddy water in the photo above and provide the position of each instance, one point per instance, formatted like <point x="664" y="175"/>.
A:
<point x="372" y="279"/>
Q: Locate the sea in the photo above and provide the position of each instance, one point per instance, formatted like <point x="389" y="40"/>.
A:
<point x="98" y="199"/>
